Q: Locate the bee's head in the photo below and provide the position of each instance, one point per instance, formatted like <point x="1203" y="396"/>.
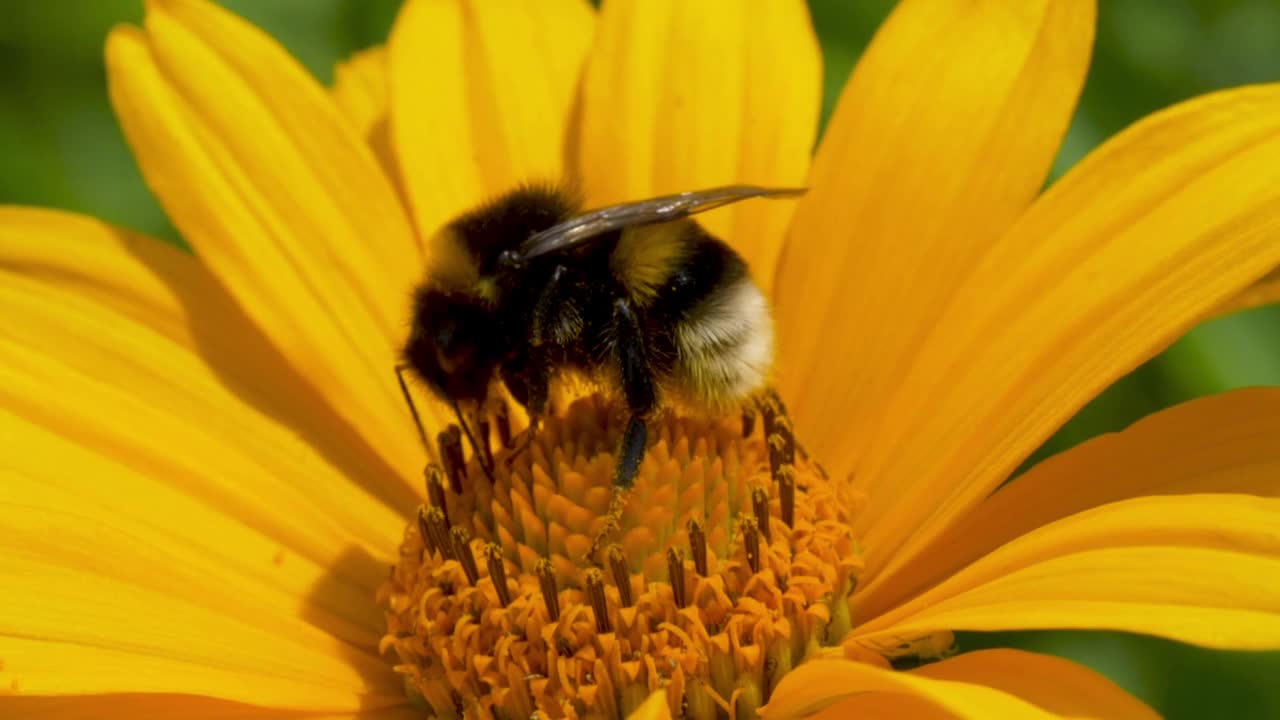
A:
<point x="454" y="345"/>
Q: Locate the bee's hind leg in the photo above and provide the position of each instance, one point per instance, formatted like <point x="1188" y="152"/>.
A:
<point x="636" y="374"/>
<point x="631" y="452"/>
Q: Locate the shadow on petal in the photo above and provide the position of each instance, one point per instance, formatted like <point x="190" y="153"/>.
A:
<point x="251" y="367"/>
<point x="355" y="562"/>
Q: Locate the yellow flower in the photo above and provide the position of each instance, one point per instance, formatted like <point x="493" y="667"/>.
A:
<point x="208" y="464"/>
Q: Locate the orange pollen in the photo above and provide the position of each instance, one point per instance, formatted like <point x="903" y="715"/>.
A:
<point x="543" y="590"/>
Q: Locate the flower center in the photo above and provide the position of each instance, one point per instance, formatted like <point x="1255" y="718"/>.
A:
<point x="729" y="562"/>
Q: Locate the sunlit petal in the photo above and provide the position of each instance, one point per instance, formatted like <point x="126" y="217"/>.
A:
<point x="1112" y="264"/>
<point x="283" y="201"/>
<point x="145" y="509"/>
<point x="120" y="582"/>
<point x="943" y="136"/>
<point x="1057" y="685"/>
<point x="159" y="705"/>
<point x="691" y="95"/>
<point x="1265" y="291"/>
<point x="1221" y="444"/>
<point x="824" y="683"/>
<point x="482" y="96"/>
<point x="361" y="91"/>
<point x="104" y="325"/>
<point x="1202" y="569"/>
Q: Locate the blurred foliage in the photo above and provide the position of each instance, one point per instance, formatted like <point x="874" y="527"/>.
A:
<point x="59" y="140"/>
<point x="62" y="148"/>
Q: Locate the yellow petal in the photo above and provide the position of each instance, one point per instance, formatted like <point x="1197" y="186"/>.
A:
<point x="120" y="582"/>
<point x="944" y="134"/>
<point x="145" y="480"/>
<point x="361" y="92"/>
<point x="167" y="532"/>
<point x="1202" y="569"/>
<point x="188" y="707"/>
<point x="1228" y="443"/>
<point x="820" y="684"/>
<point x="1263" y="292"/>
<point x="104" y="324"/>
<point x="360" y="89"/>
<point x="1057" y="685"/>
<point x="280" y="198"/>
<point x="1116" y="261"/>
<point x="882" y="706"/>
<point x="481" y="97"/>
<point x="690" y="95"/>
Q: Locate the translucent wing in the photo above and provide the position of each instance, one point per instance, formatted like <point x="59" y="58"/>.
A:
<point x="582" y="228"/>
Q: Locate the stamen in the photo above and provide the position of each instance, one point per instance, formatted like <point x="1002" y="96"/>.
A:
<point x="781" y="443"/>
<point x="775" y="402"/>
<point x="450" y="443"/>
<point x="698" y="544"/>
<point x="770" y="409"/>
<point x="621" y="575"/>
<point x="760" y="506"/>
<point x="599" y="604"/>
<point x="550" y="593"/>
<point x="435" y="489"/>
<point x="717" y="641"/>
<point x="767" y="676"/>
<point x="424" y="529"/>
<point x="438" y="531"/>
<point x="462" y="550"/>
<point x="782" y="447"/>
<point x="497" y="573"/>
<point x="786" y="478"/>
<point x="779" y="433"/>
<point x="675" y="574"/>
<point x="751" y="541"/>
<point x="502" y="420"/>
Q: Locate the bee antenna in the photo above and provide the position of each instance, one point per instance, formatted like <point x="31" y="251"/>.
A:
<point x="413" y="409"/>
<point x="475" y="446"/>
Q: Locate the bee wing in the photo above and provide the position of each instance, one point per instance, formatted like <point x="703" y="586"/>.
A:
<point x="582" y="228"/>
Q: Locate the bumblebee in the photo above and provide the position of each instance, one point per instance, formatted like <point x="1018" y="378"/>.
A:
<point x="638" y="296"/>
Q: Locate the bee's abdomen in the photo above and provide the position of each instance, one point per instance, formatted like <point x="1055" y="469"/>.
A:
<point x="723" y="331"/>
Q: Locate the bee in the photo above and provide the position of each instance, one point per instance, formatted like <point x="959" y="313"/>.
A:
<point x="638" y="296"/>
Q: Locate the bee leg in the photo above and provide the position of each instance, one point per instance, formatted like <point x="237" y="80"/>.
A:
<point x="545" y="309"/>
<point x="528" y="379"/>
<point x="525" y="442"/>
<point x="631" y="452"/>
<point x="408" y="399"/>
<point x="636" y="374"/>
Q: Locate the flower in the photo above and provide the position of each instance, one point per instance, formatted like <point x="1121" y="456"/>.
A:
<point x="213" y="459"/>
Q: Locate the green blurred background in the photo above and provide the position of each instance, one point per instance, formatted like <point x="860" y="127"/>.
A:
<point x="61" y="147"/>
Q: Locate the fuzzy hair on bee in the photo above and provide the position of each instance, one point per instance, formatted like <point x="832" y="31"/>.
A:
<point x="637" y="296"/>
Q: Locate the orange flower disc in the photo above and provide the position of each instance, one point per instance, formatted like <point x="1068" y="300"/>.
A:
<point x="542" y="590"/>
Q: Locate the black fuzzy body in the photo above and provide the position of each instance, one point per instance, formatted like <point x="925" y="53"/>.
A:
<point x="580" y="309"/>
